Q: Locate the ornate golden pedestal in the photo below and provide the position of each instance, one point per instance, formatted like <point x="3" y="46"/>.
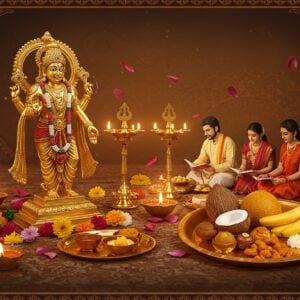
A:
<point x="40" y="210"/>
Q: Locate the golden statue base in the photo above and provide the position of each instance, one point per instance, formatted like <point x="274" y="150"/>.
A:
<point x="41" y="209"/>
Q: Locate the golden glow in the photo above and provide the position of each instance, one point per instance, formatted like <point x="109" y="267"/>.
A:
<point x="108" y="125"/>
<point x="1" y="250"/>
<point x="160" y="198"/>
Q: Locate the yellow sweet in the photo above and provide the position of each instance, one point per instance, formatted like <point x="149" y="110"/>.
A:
<point x="120" y="241"/>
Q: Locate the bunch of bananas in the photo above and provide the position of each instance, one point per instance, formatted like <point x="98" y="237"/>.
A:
<point x="284" y="224"/>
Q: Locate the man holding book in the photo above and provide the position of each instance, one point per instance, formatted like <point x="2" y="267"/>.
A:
<point x="216" y="157"/>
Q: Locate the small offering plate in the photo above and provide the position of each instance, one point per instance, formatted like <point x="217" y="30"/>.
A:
<point x="186" y="232"/>
<point x="69" y="246"/>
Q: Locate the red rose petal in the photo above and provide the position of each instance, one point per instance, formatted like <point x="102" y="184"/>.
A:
<point x="16" y="204"/>
<point x="177" y="253"/>
<point x="232" y="91"/>
<point x="118" y="93"/>
<point x="196" y="116"/>
<point x="151" y="161"/>
<point x="292" y="63"/>
<point x="127" y="67"/>
<point x="172" y="218"/>
<point x="20" y="193"/>
<point x="150" y="227"/>
<point x="173" y="78"/>
<point x="155" y="219"/>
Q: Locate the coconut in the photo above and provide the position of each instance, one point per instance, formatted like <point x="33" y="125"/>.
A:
<point x="260" y="204"/>
<point x="220" y="200"/>
<point x="234" y="221"/>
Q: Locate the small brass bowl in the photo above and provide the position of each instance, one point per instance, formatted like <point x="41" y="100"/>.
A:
<point x="3" y="195"/>
<point x="159" y="210"/>
<point x="9" y="259"/>
<point x="87" y="242"/>
<point x="119" y="250"/>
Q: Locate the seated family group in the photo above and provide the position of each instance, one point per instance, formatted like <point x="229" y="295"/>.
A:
<point x="217" y="157"/>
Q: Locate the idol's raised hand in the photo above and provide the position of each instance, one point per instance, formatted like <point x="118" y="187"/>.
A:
<point x="93" y="134"/>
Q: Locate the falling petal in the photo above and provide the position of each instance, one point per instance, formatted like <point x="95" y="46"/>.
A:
<point x="42" y="250"/>
<point x="173" y="78"/>
<point x="151" y="161"/>
<point x="50" y="254"/>
<point x="172" y="218"/>
<point x="177" y="253"/>
<point x="150" y="227"/>
<point x="232" y="91"/>
<point x="20" y="193"/>
<point x="155" y="219"/>
<point x="97" y="86"/>
<point x="127" y="67"/>
<point x="196" y="116"/>
<point x="292" y="63"/>
<point x="118" y="93"/>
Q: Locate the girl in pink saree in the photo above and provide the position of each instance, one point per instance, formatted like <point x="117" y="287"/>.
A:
<point x="257" y="155"/>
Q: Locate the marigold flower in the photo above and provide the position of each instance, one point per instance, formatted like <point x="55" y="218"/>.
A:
<point x="84" y="226"/>
<point x="62" y="227"/>
<point x="99" y="222"/>
<point x="46" y="229"/>
<point x="140" y="179"/>
<point x="114" y="217"/>
<point x="97" y="192"/>
<point x="13" y="238"/>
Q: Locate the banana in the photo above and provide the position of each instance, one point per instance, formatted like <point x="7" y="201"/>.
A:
<point x="278" y="230"/>
<point x="291" y="229"/>
<point x="284" y="218"/>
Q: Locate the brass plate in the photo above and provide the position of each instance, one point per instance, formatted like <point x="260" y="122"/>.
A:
<point x="189" y="222"/>
<point x="69" y="246"/>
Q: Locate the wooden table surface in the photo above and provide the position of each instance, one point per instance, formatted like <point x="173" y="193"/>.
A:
<point x="148" y="274"/>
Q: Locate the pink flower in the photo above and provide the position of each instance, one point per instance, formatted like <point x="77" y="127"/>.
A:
<point x="30" y="234"/>
<point x="46" y="229"/>
<point x="16" y="204"/>
<point x="99" y="222"/>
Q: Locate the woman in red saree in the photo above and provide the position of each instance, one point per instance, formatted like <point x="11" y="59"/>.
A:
<point x="257" y="155"/>
<point x="286" y="177"/>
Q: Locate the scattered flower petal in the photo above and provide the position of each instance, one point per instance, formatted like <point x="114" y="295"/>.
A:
<point x="16" y="204"/>
<point x="172" y="218"/>
<point x="118" y="93"/>
<point x="196" y="116"/>
<point x="29" y="234"/>
<point x="177" y="253"/>
<point x="173" y="78"/>
<point x="155" y="219"/>
<point x="150" y="227"/>
<point x="50" y="254"/>
<point x="292" y="63"/>
<point x="20" y="193"/>
<point x="42" y="250"/>
<point x="127" y="67"/>
<point x="151" y="161"/>
<point x="232" y="91"/>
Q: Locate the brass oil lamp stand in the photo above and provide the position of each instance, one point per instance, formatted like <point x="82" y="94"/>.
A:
<point x="124" y="134"/>
<point x="169" y="134"/>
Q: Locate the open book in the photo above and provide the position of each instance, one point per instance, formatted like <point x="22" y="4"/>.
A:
<point x="194" y="165"/>
<point x="237" y="171"/>
<point x="260" y="179"/>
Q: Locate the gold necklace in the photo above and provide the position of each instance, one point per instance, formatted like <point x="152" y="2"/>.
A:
<point x="253" y="151"/>
<point x="290" y="148"/>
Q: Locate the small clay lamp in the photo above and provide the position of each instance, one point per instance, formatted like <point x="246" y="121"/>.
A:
<point x="9" y="258"/>
<point x="159" y="207"/>
<point x="87" y="242"/>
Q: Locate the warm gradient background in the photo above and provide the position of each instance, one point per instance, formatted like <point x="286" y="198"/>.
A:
<point x="208" y="49"/>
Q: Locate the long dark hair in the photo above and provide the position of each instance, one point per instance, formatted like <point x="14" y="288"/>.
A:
<point x="257" y="127"/>
<point x="291" y="126"/>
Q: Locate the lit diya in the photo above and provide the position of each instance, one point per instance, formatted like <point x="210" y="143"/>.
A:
<point x="159" y="207"/>
<point x="8" y="258"/>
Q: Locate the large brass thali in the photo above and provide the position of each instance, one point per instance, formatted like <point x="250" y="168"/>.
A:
<point x="69" y="246"/>
<point x="186" y="232"/>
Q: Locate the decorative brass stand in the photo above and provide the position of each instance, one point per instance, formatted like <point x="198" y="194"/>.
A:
<point x="124" y="134"/>
<point x="169" y="134"/>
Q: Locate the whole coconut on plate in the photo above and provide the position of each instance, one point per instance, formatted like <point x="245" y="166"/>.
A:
<point x="235" y="221"/>
<point x="260" y="204"/>
<point x="220" y="200"/>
